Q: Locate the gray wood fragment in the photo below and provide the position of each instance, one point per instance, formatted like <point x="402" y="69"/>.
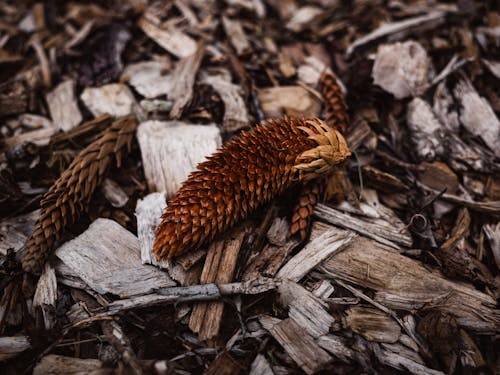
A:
<point x="115" y="99"/>
<point x="15" y="231"/>
<point x="386" y="233"/>
<point x="53" y="364"/>
<point x="337" y="346"/>
<point x="114" y="193"/>
<point x="236" y="35"/>
<point x="171" y="150"/>
<point x="46" y="295"/>
<point x="11" y="346"/>
<point x="401" y="69"/>
<point x="260" y="366"/>
<point x="63" y="106"/>
<point x="315" y="252"/>
<point x="107" y="257"/>
<point x="299" y="345"/>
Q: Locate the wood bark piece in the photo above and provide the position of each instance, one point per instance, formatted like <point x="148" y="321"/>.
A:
<point x="115" y="99"/>
<point x="171" y="39"/>
<point x="493" y="234"/>
<point x="14" y="97"/>
<point x="148" y="212"/>
<point x="307" y="310"/>
<point x="171" y="151"/>
<point x="149" y="79"/>
<point x="291" y="100"/>
<point x="403" y="283"/>
<point x="260" y="366"/>
<point x="53" y="364"/>
<point x="477" y="116"/>
<point x="219" y="268"/>
<point x="107" y="257"/>
<point x="15" y="231"/>
<point x="236" y="35"/>
<point x="63" y="106"/>
<point x="401" y="69"/>
<point x="224" y="364"/>
<point x="316" y="251"/>
<point x="402" y="363"/>
<point x="184" y="75"/>
<point x="46" y="295"/>
<point x="11" y="346"/>
<point x="299" y="345"/>
<point x="372" y="324"/>
<point x="39" y="137"/>
<point x="235" y="110"/>
<point x="337" y="346"/>
<point x="386" y="233"/>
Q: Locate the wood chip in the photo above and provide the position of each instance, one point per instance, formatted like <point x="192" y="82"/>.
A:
<point x="114" y="193"/>
<point x="337" y="346"/>
<point x="219" y="268"/>
<point x="115" y="99"/>
<point x="107" y="257"/>
<point x="477" y="116"/>
<point x="386" y="233"/>
<point x="11" y="346"/>
<point x="235" y="111"/>
<point x="438" y="176"/>
<point x="291" y="100"/>
<point x="63" y="106"/>
<point x="171" y="39"/>
<point x="46" y="295"/>
<point x="260" y="366"/>
<point x="299" y="345"/>
<point x="171" y="150"/>
<point x="236" y="35"/>
<point x="149" y="79"/>
<point x="53" y="364"/>
<point x="401" y="69"/>
<point x="15" y="231"/>
<point x="373" y="324"/>
<point x="315" y="252"/>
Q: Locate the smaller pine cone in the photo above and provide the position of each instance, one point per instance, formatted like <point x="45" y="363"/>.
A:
<point x="335" y="106"/>
<point x="309" y="196"/>
<point x="71" y="192"/>
<point x="244" y="174"/>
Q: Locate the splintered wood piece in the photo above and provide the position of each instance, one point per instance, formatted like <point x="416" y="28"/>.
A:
<point x="316" y="251"/>
<point x="53" y="364"/>
<point x="236" y="35"/>
<point x="403" y="363"/>
<point x="149" y="79"/>
<point x="171" y="39"/>
<point x="46" y="295"/>
<point x="235" y="110"/>
<point x="337" y="346"/>
<point x="260" y="366"/>
<point x="171" y="151"/>
<point x="12" y="346"/>
<point x="115" y="99"/>
<point x="299" y="345"/>
<point x="15" y="231"/>
<point x="14" y="96"/>
<point x="63" y="106"/>
<point x="307" y="310"/>
<point x="291" y="100"/>
<point x="107" y="257"/>
<point x="184" y="75"/>
<point x="148" y="213"/>
<point x="224" y="364"/>
<point x="39" y="137"/>
<point x="384" y="232"/>
<point x="403" y="283"/>
<point x="219" y="268"/>
<point x="373" y="324"/>
<point x="401" y="69"/>
<point x="113" y="192"/>
<point x="477" y="116"/>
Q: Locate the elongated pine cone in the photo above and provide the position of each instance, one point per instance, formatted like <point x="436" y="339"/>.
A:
<point x="71" y="192"/>
<point x="309" y="196"/>
<point x="244" y="174"/>
<point x="335" y="107"/>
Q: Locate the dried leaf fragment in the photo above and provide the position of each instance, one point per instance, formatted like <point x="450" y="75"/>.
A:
<point x="244" y="174"/>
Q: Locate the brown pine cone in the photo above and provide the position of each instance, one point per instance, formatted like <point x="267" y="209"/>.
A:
<point x="70" y="194"/>
<point x="244" y="174"/>
<point x="310" y="195"/>
<point x="335" y="106"/>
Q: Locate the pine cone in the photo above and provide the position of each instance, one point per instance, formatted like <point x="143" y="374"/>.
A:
<point x="244" y="174"/>
<point x="309" y="196"/>
<point x="70" y="194"/>
<point x="335" y="106"/>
